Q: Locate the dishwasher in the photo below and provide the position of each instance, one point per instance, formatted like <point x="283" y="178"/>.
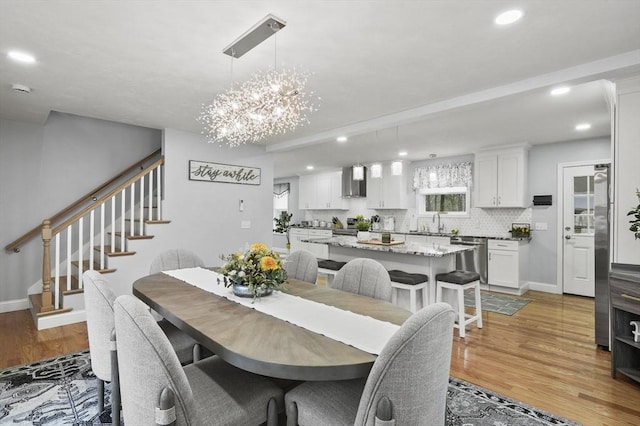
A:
<point x="475" y="260"/>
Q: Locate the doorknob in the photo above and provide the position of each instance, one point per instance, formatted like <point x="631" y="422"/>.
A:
<point x="566" y="228"/>
<point x="567" y="237"/>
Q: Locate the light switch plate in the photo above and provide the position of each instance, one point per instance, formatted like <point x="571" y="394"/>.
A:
<point x="245" y="224"/>
<point x="541" y="226"/>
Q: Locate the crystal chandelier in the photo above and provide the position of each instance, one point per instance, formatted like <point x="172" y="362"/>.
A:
<point x="270" y="103"/>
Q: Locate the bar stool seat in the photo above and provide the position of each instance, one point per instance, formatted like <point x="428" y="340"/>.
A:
<point x="401" y="280"/>
<point x="460" y="281"/>
<point x="329" y="268"/>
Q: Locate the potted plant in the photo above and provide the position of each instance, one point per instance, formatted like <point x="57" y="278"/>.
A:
<point x="255" y="273"/>
<point x="635" y="222"/>
<point x="363" y="226"/>
<point x="283" y="224"/>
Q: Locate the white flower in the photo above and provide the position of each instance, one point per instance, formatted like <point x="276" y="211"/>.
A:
<point x="232" y="273"/>
<point x="241" y="274"/>
<point x="241" y="257"/>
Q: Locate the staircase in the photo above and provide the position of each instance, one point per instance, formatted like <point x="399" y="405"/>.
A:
<point x="88" y="237"/>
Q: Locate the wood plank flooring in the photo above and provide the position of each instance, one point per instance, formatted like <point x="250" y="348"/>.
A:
<point x="543" y="355"/>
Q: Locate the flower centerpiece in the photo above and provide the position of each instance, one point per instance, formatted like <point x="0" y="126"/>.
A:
<point x="254" y="273"/>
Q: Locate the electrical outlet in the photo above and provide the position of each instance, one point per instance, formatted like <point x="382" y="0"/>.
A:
<point x="245" y="224"/>
<point x="541" y="226"/>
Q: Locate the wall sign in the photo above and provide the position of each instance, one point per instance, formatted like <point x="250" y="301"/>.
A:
<point x="225" y="173"/>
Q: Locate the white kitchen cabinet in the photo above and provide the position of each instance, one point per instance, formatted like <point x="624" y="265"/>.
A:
<point x="507" y="264"/>
<point x="500" y="178"/>
<point x="296" y="235"/>
<point x="388" y="191"/>
<point x="420" y="239"/>
<point x="320" y="251"/>
<point x="322" y="192"/>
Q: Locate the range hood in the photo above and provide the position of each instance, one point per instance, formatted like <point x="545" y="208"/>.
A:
<point x="353" y="188"/>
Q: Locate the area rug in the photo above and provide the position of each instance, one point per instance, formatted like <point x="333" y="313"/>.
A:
<point x="62" y="391"/>
<point x="498" y="303"/>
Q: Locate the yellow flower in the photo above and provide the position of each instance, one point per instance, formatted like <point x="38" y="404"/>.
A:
<point x="268" y="263"/>
<point x="259" y="247"/>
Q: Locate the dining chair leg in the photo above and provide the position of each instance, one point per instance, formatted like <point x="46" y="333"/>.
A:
<point x="197" y="352"/>
<point x="165" y="413"/>
<point x="100" y="392"/>
<point x="292" y="414"/>
<point x="115" y="383"/>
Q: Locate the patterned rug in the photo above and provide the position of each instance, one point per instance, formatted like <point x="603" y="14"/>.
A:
<point x="62" y="391"/>
<point x="498" y="303"/>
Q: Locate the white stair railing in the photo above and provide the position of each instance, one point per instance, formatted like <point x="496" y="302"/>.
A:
<point x="77" y="237"/>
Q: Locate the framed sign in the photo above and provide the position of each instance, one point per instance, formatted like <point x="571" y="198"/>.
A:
<point x="225" y="173"/>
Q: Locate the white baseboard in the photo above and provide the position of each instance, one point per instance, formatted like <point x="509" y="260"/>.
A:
<point x="14" y="305"/>
<point x="544" y="287"/>
<point x="50" y="321"/>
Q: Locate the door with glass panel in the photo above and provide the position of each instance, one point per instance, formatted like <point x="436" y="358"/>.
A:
<point x="578" y="231"/>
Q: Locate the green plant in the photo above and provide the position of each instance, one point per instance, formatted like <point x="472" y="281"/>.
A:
<point x="259" y="268"/>
<point x="362" y="224"/>
<point x="635" y="222"/>
<point x="283" y="224"/>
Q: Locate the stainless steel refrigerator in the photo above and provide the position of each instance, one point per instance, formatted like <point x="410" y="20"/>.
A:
<point x="601" y="219"/>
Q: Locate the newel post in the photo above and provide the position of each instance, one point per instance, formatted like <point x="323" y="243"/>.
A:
<point x="47" y="304"/>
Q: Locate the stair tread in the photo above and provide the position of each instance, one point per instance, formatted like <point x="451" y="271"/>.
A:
<point x="36" y="305"/>
<point x="75" y="285"/>
<point x="96" y="267"/>
<point x="133" y="237"/>
<point x="110" y="253"/>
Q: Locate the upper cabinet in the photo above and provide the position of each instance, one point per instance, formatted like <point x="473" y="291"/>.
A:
<point x="501" y="178"/>
<point x="322" y="192"/>
<point x="389" y="191"/>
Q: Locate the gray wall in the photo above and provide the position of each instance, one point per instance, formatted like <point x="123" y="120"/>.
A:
<point x="43" y="168"/>
<point x="298" y="215"/>
<point x="543" y="180"/>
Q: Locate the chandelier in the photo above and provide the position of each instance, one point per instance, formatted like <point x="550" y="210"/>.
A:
<point x="270" y="103"/>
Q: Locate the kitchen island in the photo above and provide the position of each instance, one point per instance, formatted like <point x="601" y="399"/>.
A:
<point x="428" y="259"/>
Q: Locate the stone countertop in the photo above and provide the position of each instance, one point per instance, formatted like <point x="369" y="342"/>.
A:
<point x="417" y="249"/>
<point x="428" y="234"/>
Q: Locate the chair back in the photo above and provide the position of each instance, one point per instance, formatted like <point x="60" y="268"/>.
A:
<point x="148" y="364"/>
<point x="98" y="301"/>
<point x="175" y="259"/>
<point x="412" y="370"/>
<point x="366" y="277"/>
<point x="302" y="265"/>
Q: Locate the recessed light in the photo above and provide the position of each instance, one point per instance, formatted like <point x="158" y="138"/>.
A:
<point x="341" y="138"/>
<point x="21" y="57"/>
<point x="402" y="153"/>
<point x="508" y="17"/>
<point x="583" y="126"/>
<point x="309" y="167"/>
<point x="561" y="90"/>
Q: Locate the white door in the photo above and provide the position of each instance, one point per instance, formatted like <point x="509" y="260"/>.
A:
<point x="578" y="254"/>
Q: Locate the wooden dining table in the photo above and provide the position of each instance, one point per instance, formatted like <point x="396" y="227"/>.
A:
<point x="261" y="343"/>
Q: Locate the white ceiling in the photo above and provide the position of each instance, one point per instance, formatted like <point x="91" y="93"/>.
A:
<point x="441" y="71"/>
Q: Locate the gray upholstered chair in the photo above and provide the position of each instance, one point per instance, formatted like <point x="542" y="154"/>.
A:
<point x="98" y="300"/>
<point x="302" y="265"/>
<point x="406" y="386"/>
<point x="366" y="277"/>
<point x="175" y="259"/>
<point x="156" y="389"/>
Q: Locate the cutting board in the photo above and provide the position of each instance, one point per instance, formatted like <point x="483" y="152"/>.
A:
<point x="380" y="243"/>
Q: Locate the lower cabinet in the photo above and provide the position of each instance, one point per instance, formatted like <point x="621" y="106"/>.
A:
<point x="297" y="236"/>
<point x="624" y="287"/>
<point x="507" y="263"/>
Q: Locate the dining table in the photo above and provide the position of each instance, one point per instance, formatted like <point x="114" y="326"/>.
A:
<point x="265" y="344"/>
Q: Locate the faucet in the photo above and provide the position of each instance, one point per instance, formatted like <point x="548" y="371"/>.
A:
<point x="440" y="227"/>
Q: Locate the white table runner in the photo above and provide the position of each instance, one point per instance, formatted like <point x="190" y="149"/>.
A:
<point x="363" y="332"/>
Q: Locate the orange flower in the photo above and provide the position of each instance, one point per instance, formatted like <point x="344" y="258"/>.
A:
<point x="259" y="247"/>
<point x="268" y="263"/>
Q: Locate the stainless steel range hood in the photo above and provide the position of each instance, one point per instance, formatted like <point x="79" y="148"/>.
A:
<point x="353" y="188"/>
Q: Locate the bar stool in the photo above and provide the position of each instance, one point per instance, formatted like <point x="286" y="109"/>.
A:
<point x="401" y="280"/>
<point x="329" y="268"/>
<point x="460" y="281"/>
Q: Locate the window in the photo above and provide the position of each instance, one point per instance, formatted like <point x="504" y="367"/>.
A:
<point x="453" y="201"/>
<point x="280" y="198"/>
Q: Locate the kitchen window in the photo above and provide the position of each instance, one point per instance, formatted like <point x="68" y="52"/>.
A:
<point x="280" y="198"/>
<point x="453" y="201"/>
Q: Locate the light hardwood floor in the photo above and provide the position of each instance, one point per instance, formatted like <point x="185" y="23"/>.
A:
<point x="543" y="355"/>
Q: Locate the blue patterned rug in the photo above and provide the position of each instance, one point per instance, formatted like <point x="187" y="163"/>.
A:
<point x="62" y="391"/>
<point x="498" y="303"/>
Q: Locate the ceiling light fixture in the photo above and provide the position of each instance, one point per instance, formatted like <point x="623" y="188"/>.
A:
<point x="268" y="104"/>
<point x="396" y="168"/>
<point x="309" y="167"/>
<point x="583" y="126"/>
<point x="561" y="90"/>
<point x="341" y="139"/>
<point x="403" y="153"/>
<point x="376" y="171"/>
<point x="508" y="17"/>
<point x="21" y="57"/>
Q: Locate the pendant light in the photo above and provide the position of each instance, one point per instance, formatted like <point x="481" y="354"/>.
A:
<point x="396" y="166"/>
